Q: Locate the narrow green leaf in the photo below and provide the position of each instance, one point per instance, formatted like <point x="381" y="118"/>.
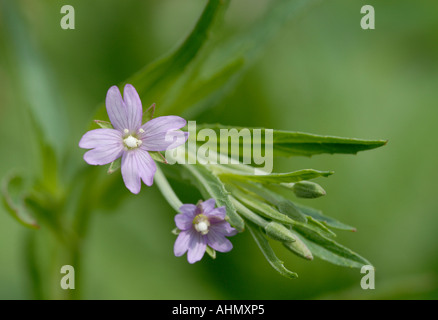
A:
<point x="328" y="221"/>
<point x="328" y="249"/>
<point x="269" y="254"/>
<point x="283" y="205"/>
<point x="295" y="176"/>
<point x="260" y="207"/>
<point x="279" y="232"/>
<point x="289" y="143"/>
<point x="322" y="228"/>
<point x="248" y="214"/>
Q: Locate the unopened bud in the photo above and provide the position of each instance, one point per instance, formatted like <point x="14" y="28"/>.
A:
<point x="279" y="232"/>
<point x="307" y="189"/>
<point x="299" y="248"/>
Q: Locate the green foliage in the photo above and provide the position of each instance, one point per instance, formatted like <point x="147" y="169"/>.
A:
<point x="269" y="254"/>
<point x="195" y="76"/>
<point x="289" y="143"/>
<point x="279" y="177"/>
<point x="329" y="250"/>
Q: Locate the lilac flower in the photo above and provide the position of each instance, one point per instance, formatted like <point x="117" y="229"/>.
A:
<point x="202" y="225"/>
<point x="131" y="140"/>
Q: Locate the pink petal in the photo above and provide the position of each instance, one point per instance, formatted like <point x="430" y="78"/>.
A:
<point x="162" y="125"/>
<point x="183" y="221"/>
<point x="182" y="243"/>
<point x="164" y="141"/>
<point x="104" y="154"/>
<point x="197" y="246"/>
<point x="160" y="135"/>
<point x="223" y="227"/>
<point x="216" y="215"/>
<point x="100" y="137"/>
<point x="134" y="109"/>
<point x="208" y="205"/>
<point x="188" y="209"/>
<point x="137" y="164"/>
<point x="115" y="106"/>
<point x="217" y="241"/>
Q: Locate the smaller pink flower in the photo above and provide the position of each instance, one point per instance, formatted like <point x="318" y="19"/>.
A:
<point x="131" y="140"/>
<point x="202" y="225"/>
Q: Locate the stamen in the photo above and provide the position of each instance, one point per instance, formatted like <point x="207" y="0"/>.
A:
<point x="126" y="131"/>
<point x="141" y="130"/>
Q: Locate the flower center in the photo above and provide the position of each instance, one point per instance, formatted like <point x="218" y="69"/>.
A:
<point x="201" y="224"/>
<point x="132" y="142"/>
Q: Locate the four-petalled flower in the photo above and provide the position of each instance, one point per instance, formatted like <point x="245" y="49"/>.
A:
<point x="202" y="225"/>
<point x="130" y="139"/>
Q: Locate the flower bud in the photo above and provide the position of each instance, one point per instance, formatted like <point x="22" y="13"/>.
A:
<point x="307" y="189"/>
<point x="279" y="232"/>
<point x="299" y="248"/>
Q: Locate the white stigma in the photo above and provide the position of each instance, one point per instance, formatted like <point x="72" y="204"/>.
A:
<point x="201" y="224"/>
<point x="141" y="130"/>
<point x="202" y="227"/>
<point x="132" y="142"/>
<point x="126" y="131"/>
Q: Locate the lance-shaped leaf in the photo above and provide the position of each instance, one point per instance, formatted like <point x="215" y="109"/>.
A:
<point x="269" y="254"/>
<point x="289" y="143"/>
<point x="328" y="221"/>
<point x="328" y="249"/>
<point x="283" y="205"/>
<point x="322" y="228"/>
<point x="260" y="207"/>
<point x="248" y="214"/>
<point x="211" y="187"/>
<point x="277" y="178"/>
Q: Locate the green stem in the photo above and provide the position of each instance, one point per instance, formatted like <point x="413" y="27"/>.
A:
<point x="248" y="214"/>
<point x="166" y="190"/>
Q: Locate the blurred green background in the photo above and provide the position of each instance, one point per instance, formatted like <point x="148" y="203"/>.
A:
<point x="321" y="74"/>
